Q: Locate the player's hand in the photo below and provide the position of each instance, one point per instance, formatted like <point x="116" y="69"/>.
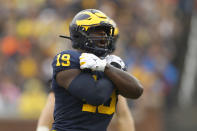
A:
<point x="91" y="61"/>
<point x="115" y="61"/>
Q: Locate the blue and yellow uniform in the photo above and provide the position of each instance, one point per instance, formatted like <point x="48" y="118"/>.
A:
<point x="71" y="113"/>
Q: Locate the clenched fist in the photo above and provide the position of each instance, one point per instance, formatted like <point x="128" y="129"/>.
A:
<point x="91" y="61"/>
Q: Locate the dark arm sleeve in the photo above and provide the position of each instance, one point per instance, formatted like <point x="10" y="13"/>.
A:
<point x="94" y="92"/>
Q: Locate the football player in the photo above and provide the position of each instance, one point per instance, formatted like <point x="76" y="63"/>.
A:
<point x="86" y="81"/>
<point x="123" y="120"/>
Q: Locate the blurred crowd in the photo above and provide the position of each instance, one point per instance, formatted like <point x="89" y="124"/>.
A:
<point x="29" y="40"/>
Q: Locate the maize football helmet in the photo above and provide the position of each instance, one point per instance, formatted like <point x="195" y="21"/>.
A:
<point x="87" y="21"/>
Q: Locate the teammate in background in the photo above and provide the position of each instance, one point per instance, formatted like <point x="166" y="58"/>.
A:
<point x="122" y="119"/>
<point x="85" y="83"/>
<point x="46" y="120"/>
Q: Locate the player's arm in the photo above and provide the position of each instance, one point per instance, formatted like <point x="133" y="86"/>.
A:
<point x="80" y="84"/>
<point x="46" y="117"/>
<point x="127" y="85"/>
<point x="83" y="86"/>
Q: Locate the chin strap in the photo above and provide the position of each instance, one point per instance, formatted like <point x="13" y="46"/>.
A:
<point x="67" y="37"/>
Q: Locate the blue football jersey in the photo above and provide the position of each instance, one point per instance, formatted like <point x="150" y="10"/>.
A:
<point x="72" y="114"/>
